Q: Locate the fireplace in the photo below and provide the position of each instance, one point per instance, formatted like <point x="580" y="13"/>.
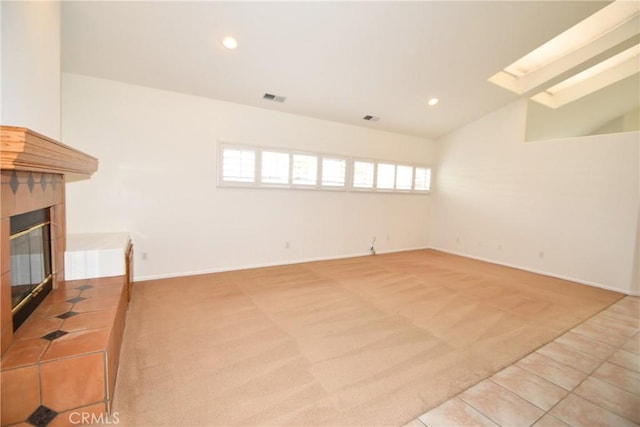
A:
<point x="32" y="220"/>
<point x="63" y="360"/>
<point x="31" y="273"/>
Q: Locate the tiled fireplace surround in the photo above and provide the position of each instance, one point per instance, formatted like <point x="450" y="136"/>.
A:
<point x="63" y="360"/>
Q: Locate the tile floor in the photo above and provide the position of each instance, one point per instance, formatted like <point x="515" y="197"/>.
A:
<point x="589" y="376"/>
<point x="57" y="360"/>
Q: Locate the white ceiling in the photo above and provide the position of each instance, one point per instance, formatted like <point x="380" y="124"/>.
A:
<point x="337" y="61"/>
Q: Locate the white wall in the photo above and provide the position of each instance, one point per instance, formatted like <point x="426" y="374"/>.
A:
<point x="30" y="81"/>
<point x="568" y="208"/>
<point x="157" y="180"/>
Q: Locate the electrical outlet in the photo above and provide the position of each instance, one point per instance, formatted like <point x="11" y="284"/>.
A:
<point x="144" y="256"/>
<point x="286" y="245"/>
<point x="541" y="255"/>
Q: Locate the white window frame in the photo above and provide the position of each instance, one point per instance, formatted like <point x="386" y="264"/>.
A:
<point x="345" y="184"/>
<point x="224" y="183"/>
<point x="393" y="181"/>
<point x="349" y="171"/>
<point x="262" y="183"/>
<point x="318" y="166"/>
<point x="413" y="178"/>
<point x="421" y="191"/>
<point x="353" y="175"/>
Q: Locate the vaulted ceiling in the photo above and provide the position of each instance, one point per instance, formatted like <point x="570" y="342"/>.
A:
<point x="337" y="61"/>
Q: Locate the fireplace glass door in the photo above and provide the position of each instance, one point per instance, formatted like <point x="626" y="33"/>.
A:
<point x="30" y="262"/>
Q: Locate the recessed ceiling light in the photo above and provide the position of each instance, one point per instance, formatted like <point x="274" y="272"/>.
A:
<point x="229" y="42"/>
<point x="433" y="101"/>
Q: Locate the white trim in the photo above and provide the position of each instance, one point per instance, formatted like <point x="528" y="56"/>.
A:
<point x="315" y="186"/>
<point x="345" y="184"/>
<point x="349" y="171"/>
<point x="352" y="165"/>
<point x="269" y="264"/>
<point x="541" y="272"/>
<point x="220" y="161"/>
<point x="361" y="254"/>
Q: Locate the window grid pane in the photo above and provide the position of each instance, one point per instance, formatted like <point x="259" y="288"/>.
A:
<point x="334" y="172"/>
<point x="404" y="176"/>
<point x="242" y="165"/>
<point x="238" y="165"/>
<point x="386" y="176"/>
<point x="423" y="179"/>
<point x="275" y="167"/>
<point x="363" y="174"/>
<point x="305" y="169"/>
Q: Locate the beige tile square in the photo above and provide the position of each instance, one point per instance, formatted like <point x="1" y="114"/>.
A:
<point x="567" y="355"/>
<point x="454" y="412"/>
<point x="612" y="324"/>
<point x="414" y="423"/>
<point x="628" y="305"/>
<point x="530" y="387"/>
<point x="550" y="421"/>
<point x="601" y="334"/>
<point x="586" y="345"/>
<point x="579" y="412"/>
<point x="500" y="405"/>
<point x="552" y="370"/>
<point x="633" y="344"/>
<point x="632" y="321"/>
<point x="617" y="375"/>
<point x="626" y="360"/>
<point x="610" y="397"/>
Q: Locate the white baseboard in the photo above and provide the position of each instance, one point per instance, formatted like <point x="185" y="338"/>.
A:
<point x="532" y="270"/>
<point x="266" y="264"/>
<point x="359" y="254"/>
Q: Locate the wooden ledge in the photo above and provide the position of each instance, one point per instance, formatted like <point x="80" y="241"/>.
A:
<point x="24" y="149"/>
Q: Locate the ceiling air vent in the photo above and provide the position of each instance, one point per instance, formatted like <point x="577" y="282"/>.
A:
<point x="371" y="118"/>
<point x="272" y="97"/>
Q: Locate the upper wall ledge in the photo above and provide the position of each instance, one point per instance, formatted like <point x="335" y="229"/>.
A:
<point x="26" y="150"/>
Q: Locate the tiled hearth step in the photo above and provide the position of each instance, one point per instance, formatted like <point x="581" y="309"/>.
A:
<point x="64" y="358"/>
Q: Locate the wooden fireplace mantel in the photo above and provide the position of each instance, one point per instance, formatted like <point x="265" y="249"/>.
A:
<point x="26" y="150"/>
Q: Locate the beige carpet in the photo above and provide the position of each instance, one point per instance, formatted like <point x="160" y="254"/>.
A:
<point x="364" y="341"/>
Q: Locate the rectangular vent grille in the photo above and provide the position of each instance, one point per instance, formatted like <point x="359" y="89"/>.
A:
<point x="371" y="118"/>
<point x="272" y="97"/>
